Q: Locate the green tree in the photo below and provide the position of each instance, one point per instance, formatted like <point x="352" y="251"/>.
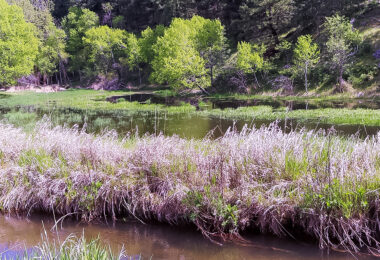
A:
<point x="183" y="55"/>
<point x="284" y="50"/>
<point x="133" y="58"/>
<point x="51" y="50"/>
<point x="342" y="44"/>
<point x="147" y="40"/>
<point x="211" y="44"/>
<point x="76" y="24"/>
<point x="176" y="61"/>
<point x="18" y="44"/>
<point x="250" y="58"/>
<point x="104" y="47"/>
<point x="306" y="55"/>
<point x="266" y="20"/>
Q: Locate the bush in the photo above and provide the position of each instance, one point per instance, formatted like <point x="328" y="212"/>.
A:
<point x="233" y="81"/>
<point x="360" y="74"/>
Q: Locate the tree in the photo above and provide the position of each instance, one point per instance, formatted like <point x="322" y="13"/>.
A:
<point x="306" y="55"/>
<point x="76" y="24"/>
<point x="284" y="50"/>
<point x="211" y="44"/>
<point x="186" y="54"/>
<point x="51" y="52"/>
<point x="51" y="39"/>
<point x="147" y="40"/>
<point x="265" y="20"/>
<point x="133" y="57"/>
<point x="176" y="61"/>
<point x="342" y="44"/>
<point x="104" y="47"/>
<point x="18" y="44"/>
<point x="250" y="58"/>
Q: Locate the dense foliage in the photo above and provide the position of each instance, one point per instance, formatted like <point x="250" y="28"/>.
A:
<point x="18" y="44"/>
<point x="191" y="44"/>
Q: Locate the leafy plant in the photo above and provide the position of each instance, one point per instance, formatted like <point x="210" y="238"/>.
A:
<point x="18" y="44"/>
<point x="306" y="55"/>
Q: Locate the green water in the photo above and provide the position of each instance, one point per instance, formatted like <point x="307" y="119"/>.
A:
<point x="185" y="125"/>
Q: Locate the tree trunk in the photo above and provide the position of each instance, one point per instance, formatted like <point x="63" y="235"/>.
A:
<point x="306" y="78"/>
<point x="257" y="82"/>
<point x="38" y="80"/>
<point x="273" y="30"/>
<point x="203" y="90"/>
<point x="140" y="76"/>
<point x="212" y="75"/>
<point x="340" y="79"/>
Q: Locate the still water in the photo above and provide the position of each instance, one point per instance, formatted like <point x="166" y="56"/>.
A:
<point x="183" y="125"/>
<point x="155" y="241"/>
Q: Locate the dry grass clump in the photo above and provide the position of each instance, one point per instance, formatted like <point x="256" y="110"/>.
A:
<point x="317" y="184"/>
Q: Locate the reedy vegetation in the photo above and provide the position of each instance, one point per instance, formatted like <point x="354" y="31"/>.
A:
<point x="322" y="185"/>
<point x="92" y="101"/>
<point x="72" y="247"/>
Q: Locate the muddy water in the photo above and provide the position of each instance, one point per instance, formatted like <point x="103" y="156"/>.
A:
<point x="156" y="241"/>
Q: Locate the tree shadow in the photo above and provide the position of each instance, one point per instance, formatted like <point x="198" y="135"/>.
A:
<point x="3" y="96"/>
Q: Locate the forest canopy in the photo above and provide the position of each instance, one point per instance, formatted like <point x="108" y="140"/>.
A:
<point x="187" y="44"/>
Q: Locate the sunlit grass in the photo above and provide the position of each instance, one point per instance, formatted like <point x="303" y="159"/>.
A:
<point x="85" y="100"/>
<point x="324" y="184"/>
<point x="90" y="100"/>
<point x="72" y="247"/>
<point x="326" y="116"/>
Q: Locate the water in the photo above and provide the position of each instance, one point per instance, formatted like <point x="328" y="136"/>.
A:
<point x="299" y="105"/>
<point x="183" y="125"/>
<point x="156" y="241"/>
<point x="372" y="103"/>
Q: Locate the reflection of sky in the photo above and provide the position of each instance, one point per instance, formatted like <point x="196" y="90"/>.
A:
<point x="8" y="253"/>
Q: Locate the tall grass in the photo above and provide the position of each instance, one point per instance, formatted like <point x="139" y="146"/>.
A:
<point x="341" y="116"/>
<point x="313" y="183"/>
<point x="72" y="247"/>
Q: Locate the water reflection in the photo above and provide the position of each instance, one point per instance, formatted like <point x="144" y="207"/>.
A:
<point x="184" y="125"/>
<point x="235" y="103"/>
<point x="157" y="242"/>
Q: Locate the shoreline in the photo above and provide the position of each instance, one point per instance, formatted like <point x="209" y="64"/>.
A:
<point x="261" y="178"/>
<point x="87" y="100"/>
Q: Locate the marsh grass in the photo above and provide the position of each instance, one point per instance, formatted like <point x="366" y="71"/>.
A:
<point x="333" y="116"/>
<point x="314" y="183"/>
<point x="85" y="100"/>
<point x="90" y="101"/>
<point x="336" y="97"/>
<point x="72" y="247"/>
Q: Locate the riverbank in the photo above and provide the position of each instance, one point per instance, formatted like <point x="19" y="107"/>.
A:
<point x="97" y="100"/>
<point x="300" y="183"/>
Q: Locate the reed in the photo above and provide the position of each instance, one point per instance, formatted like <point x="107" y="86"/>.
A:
<point x="73" y="247"/>
<point x="314" y="183"/>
